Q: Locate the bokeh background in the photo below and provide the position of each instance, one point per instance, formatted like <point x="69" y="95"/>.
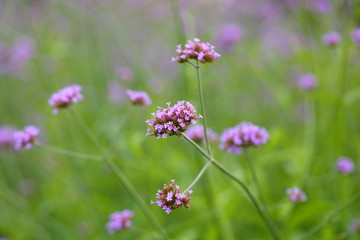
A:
<point x="108" y="46"/>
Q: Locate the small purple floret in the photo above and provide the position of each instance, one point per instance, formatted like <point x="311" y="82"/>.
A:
<point x="345" y="165"/>
<point x="307" y="81"/>
<point x="25" y="139"/>
<point x="65" y="97"/>
<point x="119" y="221"/>
<point x="331" y="39"/>
<point x="296" y="195"/>
<point x="196" y="133"/>
<point x="138" y="97"/>
<point x="355" y="35"/>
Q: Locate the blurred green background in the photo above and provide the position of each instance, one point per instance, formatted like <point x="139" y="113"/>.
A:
<point x="108" y="46"/>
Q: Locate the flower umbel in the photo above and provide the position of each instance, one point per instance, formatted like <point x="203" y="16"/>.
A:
<point x="331" y="39"/>
<point x="170" y="198"/>
<point x="203" y="52"/>
<point x="25" y="139"/>
<point x="119" y="221"/>
<point x="172" y="120"/>
<point x="345" y="165"/>
<point x="243" y="135"/>
<point x="196" y="133"/>
<point x="65" y="97"/>
<point x="296" y="195"/>
<point x="138" y="97"/>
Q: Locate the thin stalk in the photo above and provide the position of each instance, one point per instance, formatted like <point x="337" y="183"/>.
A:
<point x="68" y="153"/>
<point x="202" y="171"/>
<point x="331" y="217"/>
<point x="202" y="107"/>
<point x="121" y="177"/>
<point x="260" y="210"/>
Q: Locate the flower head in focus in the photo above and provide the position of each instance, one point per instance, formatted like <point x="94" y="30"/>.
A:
<point x="296" y="195"/>
<point x="172" y="120"/>
<point x="355" y="35"/>
<point x="345" y="165"/>
<point x="65" y="97"/>
<point x="331" y="39"/>
<point x="138" y="97"/>
<point x="170" y="198"/>
<point x="119" y="221"/>
<point x="200" y="51"/>
<point x="307" y="81"/>
<point x="243" y="135"/>
<point x="196" y="133"/>
<point x="25" y="139"/>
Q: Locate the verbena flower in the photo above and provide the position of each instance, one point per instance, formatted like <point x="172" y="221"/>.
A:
<point x="119" y="221"/>
<point x="7" y="138"/>
<point x="25" y="139"/>
<point x="124" y="73"/>
<point x="172" y="120"/>
<point x="296" y="195"/>
<point x="196" y="133"/>
<point x="65" y="97"/>
<point x="138" y="97"/>
<point x="228" y="35"/>
<point x="203" y="52"/>
<point x="243" y="135"/>
<point x="345" y="165"/>
<point x="307" y="81"/>
<point x="355" y="35"/>
<point x="331" y="39"/>
<point x="170" y="198"/>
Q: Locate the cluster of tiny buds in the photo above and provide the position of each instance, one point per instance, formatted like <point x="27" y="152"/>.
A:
<point x="296" y="195"/>
<point x="138" y="97"/>
<point x="119" y="221"/>
<point x="170" y="198"/>
<point x="201" y="51"/>
<point x="65" y="97"/>
<point x="172" y="120"/>
<point x="242" y="136"/>
<point x="25" y="139"/>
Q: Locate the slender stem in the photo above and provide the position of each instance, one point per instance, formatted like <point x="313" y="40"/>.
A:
<point x="68" y="153"/>
<point x="202" y="106"/>
<point x="202" y="171"/>
<point x="331" y="217"/>
<point x="260" y="210"/>
<point x="121" y="177"/>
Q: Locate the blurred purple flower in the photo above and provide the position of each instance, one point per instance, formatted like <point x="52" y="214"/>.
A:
<point x="296" y="195"/>
<point x="307" y="81"/>
<point x="116" y="93"/>
<point x="22" y="52"/>
<point x="172" y="120"/>
<point x="65" y="97"/>
<point x="203" y="52"/>
<point x="331" y="39"/>
<point x="228" y="35"/>
<point x="243" y="135"/>
<point x="345" y="165"/>
<point x="7" y="139"/>
<point x="25" y="139"/>
<point x="124" y="73"/>
<point x="320" y="6"/>
<point x="119" y="221"/>
<point x="138" y="97"/>
<point x="196" y="133"/>
<point x="170" y="198"/>
<point x="355" y="35"/>
<point x="355" y="226"/>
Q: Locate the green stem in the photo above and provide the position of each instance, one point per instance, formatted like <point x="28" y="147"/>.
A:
<point x="68" y="153"/>
<point x="260" y="210"/>
<point x="202" y="171"/>
<point x="121" y="177"/>
<point x="202" y="107"/>
<point x="331" y="217"/>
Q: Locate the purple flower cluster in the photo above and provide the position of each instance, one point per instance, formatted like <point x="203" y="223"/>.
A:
<point x="170" y="198"/>
<point x="119" y="221"/>
<point x="65" y="97"/>
<point x="228" y="35"/>
<point x="25" y="139"/>
<point x="331" y="39"/>
<point x="203" y="52"/>
<point x="7" y="139"/>
<point x="196" y="133"/>
<point x="172" y="120"/>
<point x="345" y="165"/>
<point x="296" y="195"/>
<point x="307" y="81"/>
<point x="138" y="97"/>
<point x="355" y="35"/>
<point x="243" y="135"/>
